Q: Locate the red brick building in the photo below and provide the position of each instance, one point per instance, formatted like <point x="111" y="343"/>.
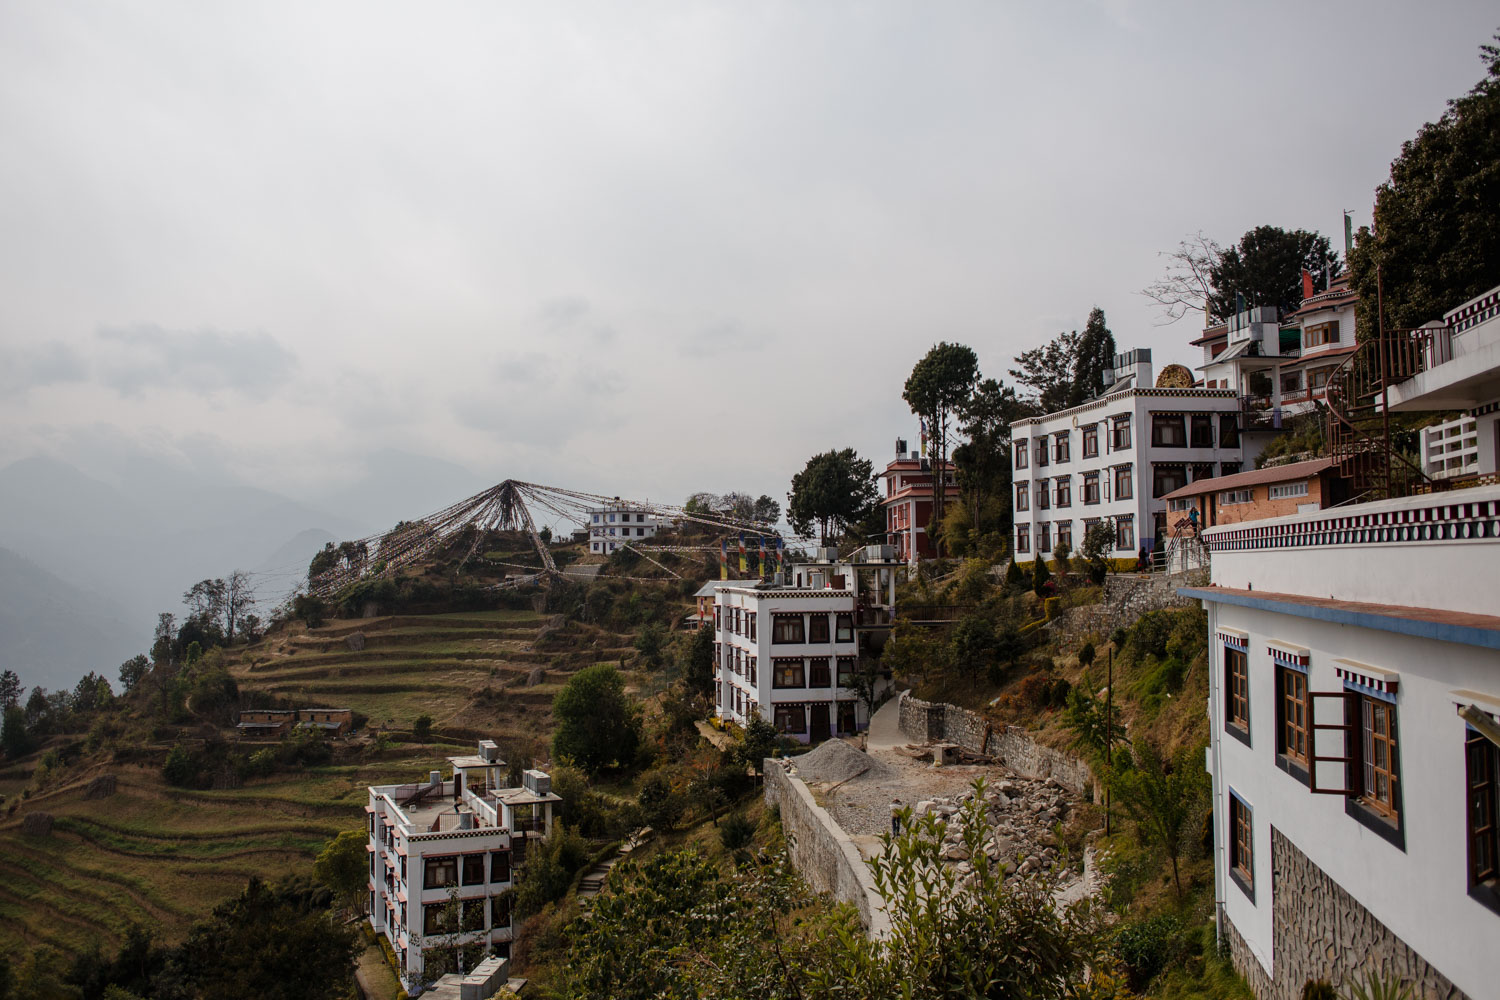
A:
<point x="1254" y="496"/>
<point x="908" y="502"/>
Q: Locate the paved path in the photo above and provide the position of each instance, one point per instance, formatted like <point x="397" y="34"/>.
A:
<point x="885" y="727"/>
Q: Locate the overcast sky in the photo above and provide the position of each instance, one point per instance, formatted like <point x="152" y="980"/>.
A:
<point x="635" y="248"/>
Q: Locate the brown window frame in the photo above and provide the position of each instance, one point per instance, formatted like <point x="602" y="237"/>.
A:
<point x="1090" y="488"/>
<point x="1229" y="430"/>
<point x="1062" y="535"/>
<point x="1023" y="454"/>
<point x="1091" y="441"/>
<point x="1379" y="742"/>
<point x="1320" y="334"/>
<point x="819" y="674"/>
<point x="1162" y="483"/>
<point x="499" y="866"/>
<point x="1201" y="430"/>
<point x="1237" y="693"/>
<point x="818" y="630"/>
<point x="1124" y="476"/>
<point x="1119" y="433"/>
<point x="1062" y="488"/>
<point x="786" y="674"/>
<point x="1023" y="496"/>
<point x="1023" y="538"/>
<point x="784" y="633"/>
<point x="1482" y="817"/>
<point x="1062" y="447"/>
<point x="471" y="870"/>
<point x="843" y="627"/>
<point x="1125" y="533"/>
<point x="797" y="713"/>
<point x="1293" y="735"/>
<point x="1169" y="430"/>
<point x="1242" y="844"/>
<point x="1043" y="495"/>
<point x="431" y="871"/>
<point x="1041" y="452"/>
<point x="845" y="667"/>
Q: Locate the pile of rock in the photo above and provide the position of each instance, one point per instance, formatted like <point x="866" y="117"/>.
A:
<point x="1020" y="814"/>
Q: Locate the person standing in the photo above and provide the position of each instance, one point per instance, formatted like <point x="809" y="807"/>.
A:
<point x="895" y="817"/>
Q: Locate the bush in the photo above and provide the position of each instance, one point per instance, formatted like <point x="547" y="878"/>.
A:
<point x="182" y="767"/>
<point x="421" y="727"/>
<point x="736" y="832"/>
<point x="1146" y="946"/>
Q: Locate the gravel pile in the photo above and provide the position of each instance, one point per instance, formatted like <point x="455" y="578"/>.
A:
<point x="837" y="761"/>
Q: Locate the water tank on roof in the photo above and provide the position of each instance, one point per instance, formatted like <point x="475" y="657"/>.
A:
<point x="538" y="782"/>
<point x="489" y="750"/>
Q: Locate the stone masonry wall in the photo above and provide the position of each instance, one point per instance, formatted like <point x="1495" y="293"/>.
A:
<point x="928" y="722"/>
<point x="821" y="850"/>
<point x="1319" y="931"/>
<point x="1127" y="596"/>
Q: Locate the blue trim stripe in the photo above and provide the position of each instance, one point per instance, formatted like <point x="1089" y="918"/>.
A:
<point x="1366" y="689"/>
<point x="1466" y="635"/>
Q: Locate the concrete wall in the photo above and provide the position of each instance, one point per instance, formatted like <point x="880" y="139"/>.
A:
<point x="1321" y="932"/>
<point x="928" y="722"/>
<point x="822" y="851"/>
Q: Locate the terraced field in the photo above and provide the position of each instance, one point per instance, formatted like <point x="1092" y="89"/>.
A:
<point x="165" y="856"/>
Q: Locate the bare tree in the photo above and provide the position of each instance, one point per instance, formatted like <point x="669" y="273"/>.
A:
<point x="1187" y="285"/>
<point x="239" y="602"/>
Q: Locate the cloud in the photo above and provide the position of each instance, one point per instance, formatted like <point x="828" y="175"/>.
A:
<point x="718" y="339"/>
<point x="134" y="359"/>
<point x="572" y="317"/>
<point x="47" y="364"/>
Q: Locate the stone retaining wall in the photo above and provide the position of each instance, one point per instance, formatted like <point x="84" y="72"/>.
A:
<point x="822" y="851"/>
<point x="929" y="722"/>
<point x="1319" y="931"/>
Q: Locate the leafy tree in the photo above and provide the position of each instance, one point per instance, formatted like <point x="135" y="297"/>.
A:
<point x="757" y="743"/>
<point x="162" y="648"/>
<point x="1048" y="371"/>
<point x="1095" y="359"/>
<point x="268" y="944"/>
<point x="91" y="692"/>
<point x="1265" y="269"/>
<point x="1040" y="574"/>
<point x="310" y="609"/>
<point x="983" y="462"/>
<point x="698" y="665"/>
<point x="737" y="832"/>
<point x="650" y="641"/>
<point x="15" y="739"/>
<point x="598" y="724"/>
<point x="973" y="644"/>
<point x="1085" y="719"/>
<point x="342" y="866"/>
<point x="660" y="803"/>
<point x="1436" y="239"/>
<point x="834" y="490"/>
<point x="133" y="670"/>
<point x="1086" y="655"/>
<point x="937" y="387"/>
<point x="421" y="727"/>
<point x="545" y="535"/>
<point x="10" y="690"/>
<point x="1164" y="796"/>
<point x="766" y="510"/>
<point x="1015" y="577"/>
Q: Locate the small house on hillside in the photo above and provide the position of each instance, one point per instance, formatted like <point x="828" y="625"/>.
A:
<point x="265" y="723"/>
<point x="331" y="721"/>
<point x="1256" y="495"/>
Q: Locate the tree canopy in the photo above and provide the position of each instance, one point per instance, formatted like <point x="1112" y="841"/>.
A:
<point x="598" y="724"/>
<point x="1265" y="268"/>
<point x="1437" y="232"/>
<point x="834" y="490"/>
<point x="938" y="385"/>
<point x="1070" y="368"/>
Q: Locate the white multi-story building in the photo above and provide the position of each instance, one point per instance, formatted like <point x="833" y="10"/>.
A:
<point x="1355" y="807"/>
<point x="790" y="653"/>
<point x="442" y="856"/>
<point x="1117" y="456"/>
<point x="1281" y="368"/>
<point x="613" y="525"/>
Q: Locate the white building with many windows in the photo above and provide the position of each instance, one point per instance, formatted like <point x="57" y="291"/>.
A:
<point x="1117" y="456"/>
<point x="793" y="654"/>
<point x="1355" y="669"/>
<point x="443" y="855"/>
<point x="611" y="526"/>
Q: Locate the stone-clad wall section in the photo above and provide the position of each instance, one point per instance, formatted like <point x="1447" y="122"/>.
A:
<point x="1319" y="931"/>
<point x="822" y="851"/>
<point x="929" y="722"/>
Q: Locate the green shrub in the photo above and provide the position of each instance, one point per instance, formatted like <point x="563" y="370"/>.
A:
<point x="736" y="832"/>
<point x="1146" y="946"/>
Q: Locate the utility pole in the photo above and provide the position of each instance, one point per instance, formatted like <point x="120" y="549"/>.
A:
<point x="1109" y="729"/>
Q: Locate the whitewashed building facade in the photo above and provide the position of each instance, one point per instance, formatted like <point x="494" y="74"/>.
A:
<point x="443" y="854"/>
<point x="1115" y="457"/>
<point x="1354" y="807"/>
<point x="613" y="525"/>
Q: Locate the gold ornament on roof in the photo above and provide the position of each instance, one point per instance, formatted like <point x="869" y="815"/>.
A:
<point x="1174" y="377"/>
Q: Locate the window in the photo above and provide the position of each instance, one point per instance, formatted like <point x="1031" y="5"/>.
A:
<point x="787" y="674"/>
<point x="1064" y="491"/>
<point x="1168" y="430"/>
<point x="1228" y="468"/>
<point x="1241" y="845"/>
<point x="1090" y="487"/>
<point x="1119" y="437"/>
<point x="1286" y="491"/>
<point x="440" y="872"/>
<point x="1060" y="447"/>
<point x="439" y="918"/>
<point x="1291" y="382"/>
<point x="1125" y="532"/>
<point x="1091" y="441"/>
<point x="1237" y="693"/>
<point x="499" y="866"/>
<point x="1481" y="763"/>
<point x="1292" y="716"/>
<point x="1318" y="378"/>
<point x="817" y="628"/>
<point x="1229" y="430"/>
<point x="790" y="719"/>
<point x="787" y="628"/>
<point x="1202" y="471"/>
<point x="500" y="911"/>
<point x="752" y="618"/>
<point x="611" y="519"/>
<point x="1065" y="534"/>
<point x="473" y="869"/>
<point x="845" y="629"/>
<point x="1379" y="758"/>
<point x="640" y="532"/>
<point x="1123" y="488"/>
<point x="640" y="518"/>
<point x="750" y="665"/>
<point x="1041" y="451"/>
<point x="1231" y="497"/>
<point x="1043" y="498"/>
<point x="1203" y="430"/>
<point x="1044" y="537"/>
<point x="1166" y="478"/>
<point x="846" y="671"/>
<point x="1023" y="538"/>
<point x="1322" y="333"/>
<point x="1022" y="451"/>
<point x="817" y="673"/>
<point x="1023" y="497"/>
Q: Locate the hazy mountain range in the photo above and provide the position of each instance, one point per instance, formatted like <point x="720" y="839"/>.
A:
<point x="92" y="560"/>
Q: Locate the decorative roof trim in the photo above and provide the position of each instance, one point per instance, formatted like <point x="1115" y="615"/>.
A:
<point x="1377" y="680"/>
